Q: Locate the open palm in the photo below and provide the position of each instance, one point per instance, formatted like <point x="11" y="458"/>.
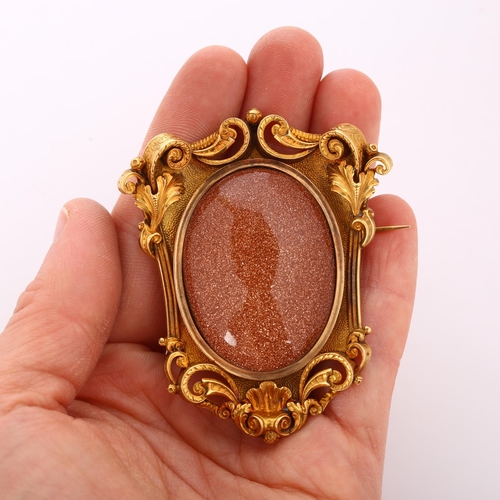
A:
<point x="84" y="410"/>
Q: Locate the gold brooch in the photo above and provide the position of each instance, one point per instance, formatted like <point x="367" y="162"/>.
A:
<point x="259" y="251"/>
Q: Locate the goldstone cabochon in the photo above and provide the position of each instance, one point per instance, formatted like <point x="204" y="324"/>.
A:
<point x="259" y="269"/>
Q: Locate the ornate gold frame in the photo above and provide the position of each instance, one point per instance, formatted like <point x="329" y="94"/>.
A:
<point x="338" y="168"/>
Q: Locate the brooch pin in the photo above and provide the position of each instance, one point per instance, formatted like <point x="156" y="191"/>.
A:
<point x="259" y="252"/>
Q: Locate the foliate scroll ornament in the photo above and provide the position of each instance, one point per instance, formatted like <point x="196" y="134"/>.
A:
<point x="201" y="391"/>
<point x="366" y="226"/>
<point x="329" y="378"/>
<point x="287" y="136"/>
<point x="330" y="146"/>
<point x="358" y="350"/>
<point x="162" y="151"/>
<point x="268" y="411"/>
<point x="380" y="162"/>
<point x="130" y="179"/>
<point x="176" y="350"/>
<point x="342" y="141"/>
<point x="265" y="410"/>
<point x="182" y="361"/>
<point x="219" y="142"/>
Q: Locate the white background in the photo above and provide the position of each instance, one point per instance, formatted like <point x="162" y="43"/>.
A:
<point x="80" y="82"/>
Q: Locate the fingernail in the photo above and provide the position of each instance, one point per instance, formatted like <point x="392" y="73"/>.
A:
<point x="61" y="222"/>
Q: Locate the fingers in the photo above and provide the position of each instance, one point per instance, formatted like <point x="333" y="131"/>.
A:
<point x="283" y="77"/>
<point x="347" y="96"/>
<point x="388" y="273"/>
<point x="208" y="89"/>
<point x="388" y="278"/>
<point x="284" y="71"/>
<point x="63" y="319"/>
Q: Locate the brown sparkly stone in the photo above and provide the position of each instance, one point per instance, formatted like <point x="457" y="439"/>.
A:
<point x="259" y="269"/>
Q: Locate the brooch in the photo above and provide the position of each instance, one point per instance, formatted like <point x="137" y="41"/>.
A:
<point x="258" y="231"/>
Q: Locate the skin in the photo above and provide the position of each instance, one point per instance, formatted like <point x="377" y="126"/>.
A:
<point x="84" y="411"/>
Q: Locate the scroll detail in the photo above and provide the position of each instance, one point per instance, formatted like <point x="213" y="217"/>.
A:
<point x="267" y="411"/>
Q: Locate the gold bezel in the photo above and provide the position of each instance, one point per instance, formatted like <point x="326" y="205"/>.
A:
<point x="338" y="168"/>
<point x="179" y="281"/>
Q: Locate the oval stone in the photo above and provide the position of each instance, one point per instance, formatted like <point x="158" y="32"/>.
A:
<point x="259" y="269"/>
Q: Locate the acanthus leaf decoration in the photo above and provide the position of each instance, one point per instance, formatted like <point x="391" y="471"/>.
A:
<point x="154" y="206"/>
<point x="265" y="412"/>
<point x="268" y="397"/>
<point x="356" y="192"/>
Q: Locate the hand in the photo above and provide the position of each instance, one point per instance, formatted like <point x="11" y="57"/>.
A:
<point x="84" y="410"/>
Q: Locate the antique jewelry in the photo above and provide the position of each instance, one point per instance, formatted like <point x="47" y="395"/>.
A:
<point x="258" y="231"/>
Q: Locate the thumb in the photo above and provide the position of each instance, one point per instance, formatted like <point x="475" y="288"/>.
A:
<point x="63" y="319"/>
